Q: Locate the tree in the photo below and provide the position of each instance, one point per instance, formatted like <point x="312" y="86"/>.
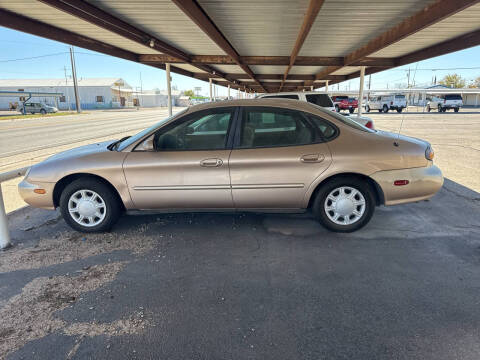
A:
<point x="453" y="80"/>
<point x="475" y="84"/>
<point x="188" y="93"/>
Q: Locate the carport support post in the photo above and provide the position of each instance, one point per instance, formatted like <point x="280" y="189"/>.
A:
<point x="169" y="89"/>
<point x="228" y="94"/>
<point x="4" y="236"/>
<point x="210" y="81"/>
<point x="360" y="92"/>
<point x="311" y="88"/>
<point x="326" y="86"/>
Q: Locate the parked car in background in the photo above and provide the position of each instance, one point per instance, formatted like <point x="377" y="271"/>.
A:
<point x="38" y="108"/>
<point x="313" y="97"/>
<point x="342" y="102"/>
<point x="317" y="98"/>
<point x="445" y="102"/>
<point x="259" y="155"/>
<point x="384" y="103"/>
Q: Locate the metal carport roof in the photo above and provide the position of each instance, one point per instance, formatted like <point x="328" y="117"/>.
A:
<point x="260" y="45"/>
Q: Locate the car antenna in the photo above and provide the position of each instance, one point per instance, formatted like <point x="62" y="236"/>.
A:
<point x="395" y="143"/>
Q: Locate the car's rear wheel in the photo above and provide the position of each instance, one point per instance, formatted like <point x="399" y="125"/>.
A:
<point x="351" y="110"/>
<point x="43" y="112"/>
<point x="385" y="108"/>
<point x="337" y="108"/>
<point x="428" y="108"/>
<point x="399" y="110"/>
<point x="456" y="109"/>
<point x="367" y="108"/>
<point x="344" y="204"/>
<point x="89" y="205"/>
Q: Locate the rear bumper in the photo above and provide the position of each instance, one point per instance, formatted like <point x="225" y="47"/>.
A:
<point x="45" y="201"/>
<point x="423" y="183"/>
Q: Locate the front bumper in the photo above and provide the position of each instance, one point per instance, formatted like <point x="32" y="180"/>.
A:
<point x="423" y="183"/>
<point x="26" y="189"/>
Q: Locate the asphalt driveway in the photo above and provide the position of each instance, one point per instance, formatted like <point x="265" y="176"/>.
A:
<point x="247" y="286"/>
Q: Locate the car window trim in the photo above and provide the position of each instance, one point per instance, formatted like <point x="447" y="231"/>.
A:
<point x="318" y="137"/>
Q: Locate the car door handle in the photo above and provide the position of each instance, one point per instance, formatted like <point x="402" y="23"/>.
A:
<point x="312" y="158"/>
<point x="213" y="162"/>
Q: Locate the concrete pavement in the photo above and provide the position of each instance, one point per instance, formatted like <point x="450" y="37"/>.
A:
<point x="246" y="286"/>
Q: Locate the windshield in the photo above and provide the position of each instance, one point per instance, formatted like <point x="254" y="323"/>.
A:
<point x="141" y="134"/>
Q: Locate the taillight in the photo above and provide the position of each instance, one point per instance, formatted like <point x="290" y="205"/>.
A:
<point x="369" y="125"/>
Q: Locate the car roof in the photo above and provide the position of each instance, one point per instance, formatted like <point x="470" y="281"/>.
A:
<point x="285" y="103"/>
<point x="294" y="93"/>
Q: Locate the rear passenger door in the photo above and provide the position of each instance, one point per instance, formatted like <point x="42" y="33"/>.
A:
<point x="277" y="154"/>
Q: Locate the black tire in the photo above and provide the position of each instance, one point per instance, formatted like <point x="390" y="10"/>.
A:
<point x="399" y="110"/>
<point x="43" y="112"/>
<point x="337" y="108"/>
<point x="385" y="109"/>
<point x="428" y="108"/>
<point x="440" y="108"/>
<point x="113" y="207"/>
<point x="379" y="110"/>
<point x="351" y="110"/>
<point x="367" y="108"/>
<point x="456" y="109"/>
<point x="363" y="187"/>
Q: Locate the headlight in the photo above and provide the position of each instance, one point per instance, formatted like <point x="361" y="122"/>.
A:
<point x="429" y="153"/>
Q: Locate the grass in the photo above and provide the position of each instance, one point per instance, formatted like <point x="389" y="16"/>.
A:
<point x="19" y="116"/>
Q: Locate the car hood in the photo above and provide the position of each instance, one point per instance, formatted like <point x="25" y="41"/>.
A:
<point x="81" y="151"/>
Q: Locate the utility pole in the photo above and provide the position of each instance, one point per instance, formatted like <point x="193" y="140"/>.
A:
<point x="66" y="87"/>
<point x="74" y="75"/>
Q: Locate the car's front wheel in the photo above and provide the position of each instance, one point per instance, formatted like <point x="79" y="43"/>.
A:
<point x="89" y="205"/>
<point x="344" y="204"/>
<point x="385" y="108"/>
<point x="43" y="112"/>
<point x="367" y="108"/>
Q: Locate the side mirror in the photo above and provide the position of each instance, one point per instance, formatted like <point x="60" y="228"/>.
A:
<point x="146" y="145"/>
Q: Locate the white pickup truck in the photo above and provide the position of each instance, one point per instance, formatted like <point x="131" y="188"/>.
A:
<point x="383" y="103"/>
<point x="445" y="102"/>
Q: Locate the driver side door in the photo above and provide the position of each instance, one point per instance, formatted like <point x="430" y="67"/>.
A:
<point x="189" y="167"/>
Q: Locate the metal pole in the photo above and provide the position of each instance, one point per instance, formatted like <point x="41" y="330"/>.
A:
<point x="210" y="81"/>
<point x="75" y="84"/>
<point x="169" y="89"/>
<point x="228" y="92"/>
<point x="4" y="235"/>
<point x="311" y="88"/>
<point x="360" y="93"/>
<point x="326" y="86"/>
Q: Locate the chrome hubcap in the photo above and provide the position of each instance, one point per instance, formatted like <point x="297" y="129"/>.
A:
<point x="344" y="205"/>
<point x="87" y="208"/>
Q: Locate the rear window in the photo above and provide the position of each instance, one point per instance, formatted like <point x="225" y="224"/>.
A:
<point x="322" y="100"/>
<point x="340" y="98"/>
<point x="453" y="97"/>
<point x="292" y="96"/>
<point x="399" y="96"/>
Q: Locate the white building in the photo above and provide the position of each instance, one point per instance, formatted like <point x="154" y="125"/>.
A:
<point x="95" y="93"/>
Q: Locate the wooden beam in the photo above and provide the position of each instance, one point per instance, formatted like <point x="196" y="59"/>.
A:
<point x="459" y="43"/>
<point x="265" y="60"/>
<point x="235" y="76"/>
<point x="193" y="10"/>
<point x="429" y="15"/>
<point x="103" y="19"/>
<point x="21" y="23"/>
<point x="424" y="18"/>
<point x="314" y="7"/>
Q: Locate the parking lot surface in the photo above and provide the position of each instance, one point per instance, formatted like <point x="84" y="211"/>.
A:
<point x="258" y="286"/>
<point x="247" y="286"/>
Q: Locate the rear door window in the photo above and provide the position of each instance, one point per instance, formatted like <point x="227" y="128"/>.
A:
<point x="322" y="100"/>
<point x="453" y="97"/>
<point x="274" y="127"/>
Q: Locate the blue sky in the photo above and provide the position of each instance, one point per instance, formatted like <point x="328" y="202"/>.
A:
<point x="18" y="45"/>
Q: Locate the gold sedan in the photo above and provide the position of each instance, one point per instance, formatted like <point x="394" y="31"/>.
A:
<point x="263" y="155"/>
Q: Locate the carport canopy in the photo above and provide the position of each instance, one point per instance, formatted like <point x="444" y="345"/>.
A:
<point x="256" y="45"/>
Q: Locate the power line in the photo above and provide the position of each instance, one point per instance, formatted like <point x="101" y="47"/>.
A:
<point x="33" y="57"/>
